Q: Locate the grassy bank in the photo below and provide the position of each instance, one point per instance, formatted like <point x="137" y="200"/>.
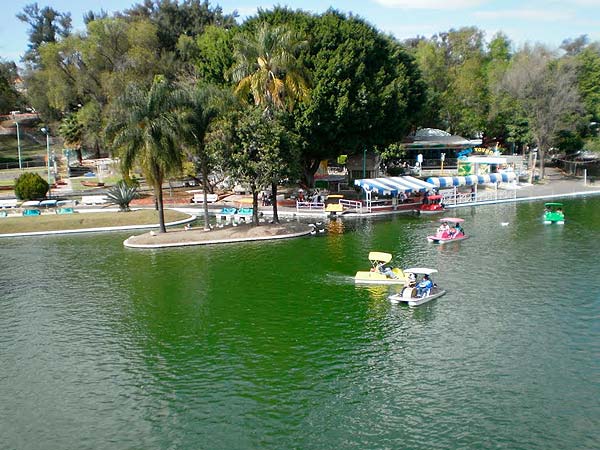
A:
<point x="78" y="221"/>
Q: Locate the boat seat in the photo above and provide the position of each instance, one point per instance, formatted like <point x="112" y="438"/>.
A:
<point x="31" y="212"/>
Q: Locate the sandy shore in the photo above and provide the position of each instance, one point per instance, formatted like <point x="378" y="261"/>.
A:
<point x="198" y="236"/>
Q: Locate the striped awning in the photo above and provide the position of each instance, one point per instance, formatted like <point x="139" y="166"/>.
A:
<point x="472" y="179"/>
<point x="393" y="185"/>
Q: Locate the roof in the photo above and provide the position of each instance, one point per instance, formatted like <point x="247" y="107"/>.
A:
<point x="393" y="185"/>
<point x="420" y="270"/>
<point x="380" y="256"/>
<point x="472" y="179"/>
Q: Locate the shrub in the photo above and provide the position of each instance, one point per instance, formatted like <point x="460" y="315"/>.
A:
<point x="30" y="186"/>
<point x="121" y="194"/>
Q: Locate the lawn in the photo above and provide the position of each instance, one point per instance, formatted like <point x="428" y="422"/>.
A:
<point x="54" y="222"/>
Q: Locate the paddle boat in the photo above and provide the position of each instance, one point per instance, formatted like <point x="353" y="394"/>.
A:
<point x="453" y="232"/>
<point x="431" y="205"/>
<point x="553" y="213"/>
<point x="380" y="273"/>
<point x="416" y="292"/>
<point x="333" y="205"/>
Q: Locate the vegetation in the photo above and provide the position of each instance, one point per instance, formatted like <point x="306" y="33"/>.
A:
<point x="324" y="85"/>
<point x="122" y="194"/>
<point x="79" y="221"/>
<point x="30" y="186"/>
<point x="145" y="130"/>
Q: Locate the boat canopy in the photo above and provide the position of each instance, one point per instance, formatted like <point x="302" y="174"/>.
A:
<point x="452" y="220"/>
<point x="472" y="179"/>
<point x="557" y="205"/>
<point x="380" y="256"/>
<point x="394" y="185"/>
<point x="420" y="270"/>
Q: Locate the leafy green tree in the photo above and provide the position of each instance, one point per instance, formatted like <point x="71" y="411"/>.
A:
<point x="145" y="129"/>
<point x="588" y="75"/>
<point x="176" y="18"/>
<point x="47" y="25"/>
<point x="248" y="143"/>
<point x="211" y="54"/>
<point x="9" y="97"/>
<point x="83" y="73"/>
<point x="453" y="64"/>
<point x="30" y="186"/>
<point x="547" y="93"/>
<point x="267" y="69"/>
<point x="366" y="89"/>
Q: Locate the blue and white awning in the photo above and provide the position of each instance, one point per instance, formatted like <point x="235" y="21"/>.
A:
<point x="469" y="180"/>
<point x="394" y="185"/>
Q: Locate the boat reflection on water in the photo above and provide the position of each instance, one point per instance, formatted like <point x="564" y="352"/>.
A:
<point x="335" y="226"/>
<point x="375" y="292"/>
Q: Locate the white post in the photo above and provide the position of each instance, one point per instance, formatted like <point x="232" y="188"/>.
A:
<point x="19" y="145"/>
<point x="47" y="133"/>
<point x="585" y="177"/>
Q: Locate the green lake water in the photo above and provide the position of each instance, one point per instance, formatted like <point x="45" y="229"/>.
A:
<point x="272" y="346"/>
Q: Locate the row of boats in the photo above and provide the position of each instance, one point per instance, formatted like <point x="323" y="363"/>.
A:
<point x="419" y="286"/>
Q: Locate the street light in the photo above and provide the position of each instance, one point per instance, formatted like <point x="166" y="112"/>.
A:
<point x="19" y="145"/>
<point x="45" y="131"/>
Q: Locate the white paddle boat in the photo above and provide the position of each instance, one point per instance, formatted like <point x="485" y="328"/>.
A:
<point x="416" y="292"/>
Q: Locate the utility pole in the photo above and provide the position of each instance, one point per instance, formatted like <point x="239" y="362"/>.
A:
<point x="19" y="145"/>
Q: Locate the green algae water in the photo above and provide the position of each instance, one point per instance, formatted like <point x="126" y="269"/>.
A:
<point x="272" y="346"/>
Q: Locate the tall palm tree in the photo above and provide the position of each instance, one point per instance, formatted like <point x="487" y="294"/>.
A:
<point x="267" y="68"/>
<point x="145" y="130"/>
<point x="71" y="130"/>
<point x="205" y="104"/>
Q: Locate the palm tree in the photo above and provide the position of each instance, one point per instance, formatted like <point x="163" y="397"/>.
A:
<point x="71" y="130"/>
<point x="145" y="130"/>
<point x="266" y="67"/>
<point x="205" y="104"/>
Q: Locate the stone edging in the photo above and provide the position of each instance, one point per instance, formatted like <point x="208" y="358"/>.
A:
<point x="215" y="241"/>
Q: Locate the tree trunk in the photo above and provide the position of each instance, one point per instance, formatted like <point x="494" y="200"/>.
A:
<point x="204" y="169"/>
<point x="274" y="194"/>
<point x="542" y="155"/>
<point x="161" y="212"/>
<point x="308" y="172"/>
<point x="532" y="168"/>
<point x="254" y="204"/>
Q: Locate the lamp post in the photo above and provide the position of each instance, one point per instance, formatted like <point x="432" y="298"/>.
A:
<point x="45" y="131"/>
<point x="365" y="163"/>
<point x="19" y="145"/>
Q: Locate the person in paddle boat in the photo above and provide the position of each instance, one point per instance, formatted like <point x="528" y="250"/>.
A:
<point x="459" y="230"/>
<point x="424" y="286"/>
<point x="443" y="230"/>
<point x="386" y="270"/>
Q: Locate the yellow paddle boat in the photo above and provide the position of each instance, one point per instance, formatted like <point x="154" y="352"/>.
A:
<point x="380" y="272"/>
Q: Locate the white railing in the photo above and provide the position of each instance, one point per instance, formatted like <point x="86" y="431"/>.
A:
<point x="352" y="204"/>
<point x="310" y="206"/>
<point x="482" y="195"/>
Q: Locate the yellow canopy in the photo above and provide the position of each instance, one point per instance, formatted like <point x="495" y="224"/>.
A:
<point x="380" y="256"/>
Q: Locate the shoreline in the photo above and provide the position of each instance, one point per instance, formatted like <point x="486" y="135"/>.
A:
<point x="556" y="186"/>
<point x="226" y="235"/>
